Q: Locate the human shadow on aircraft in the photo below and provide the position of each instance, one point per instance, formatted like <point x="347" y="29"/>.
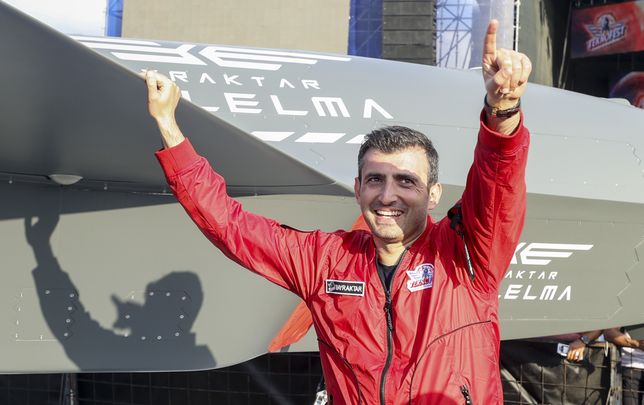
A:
<point x="152" y="336"/>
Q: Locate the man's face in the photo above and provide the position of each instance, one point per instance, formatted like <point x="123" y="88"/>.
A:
<point x="394" y="196"/>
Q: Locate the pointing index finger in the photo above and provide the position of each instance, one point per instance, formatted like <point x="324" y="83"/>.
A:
<point x="489" y="45"/>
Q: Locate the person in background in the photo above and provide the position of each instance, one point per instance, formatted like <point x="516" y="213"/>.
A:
<point x="632" y="365"/>
<point x="577" y="343"/>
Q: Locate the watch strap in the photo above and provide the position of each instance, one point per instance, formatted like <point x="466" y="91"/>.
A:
<point x="496" y="112"/>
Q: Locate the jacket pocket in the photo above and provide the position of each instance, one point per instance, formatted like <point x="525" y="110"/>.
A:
<point x="341" y="381"/>
<point x="456" y="366"/>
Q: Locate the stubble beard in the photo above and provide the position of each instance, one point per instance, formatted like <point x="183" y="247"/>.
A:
<point x="387" y="233"/>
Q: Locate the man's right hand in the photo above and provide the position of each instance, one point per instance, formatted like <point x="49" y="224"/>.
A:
<point x="163" y="98"/>
<point x="576" y="350"/>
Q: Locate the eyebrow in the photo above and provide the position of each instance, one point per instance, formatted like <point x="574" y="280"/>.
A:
<point x="372" y="174"/>
<point x="396" y="176"/>
<point x="405" y="176"/>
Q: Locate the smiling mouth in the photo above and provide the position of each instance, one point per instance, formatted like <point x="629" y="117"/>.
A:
<point x="388" y="213"/>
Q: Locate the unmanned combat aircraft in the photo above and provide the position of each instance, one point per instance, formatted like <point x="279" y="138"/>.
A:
<point x="102" y="270"/>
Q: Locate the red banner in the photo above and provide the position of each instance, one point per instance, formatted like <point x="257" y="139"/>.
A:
<point x="614" y="28"/>
<point x="630" y="87"/>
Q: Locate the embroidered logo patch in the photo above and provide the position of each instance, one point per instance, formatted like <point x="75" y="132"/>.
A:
<point x="421" y="277"/>
<point x="345" y="287"/>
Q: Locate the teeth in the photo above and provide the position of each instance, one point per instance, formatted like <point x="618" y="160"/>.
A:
<point x="389" y="213"/>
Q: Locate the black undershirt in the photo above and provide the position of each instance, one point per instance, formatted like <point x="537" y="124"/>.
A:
<point x="386" y="273"/>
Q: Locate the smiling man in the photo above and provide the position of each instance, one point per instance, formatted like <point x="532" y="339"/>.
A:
<point x="396" y="187"/>
<point x="407" y="312"/>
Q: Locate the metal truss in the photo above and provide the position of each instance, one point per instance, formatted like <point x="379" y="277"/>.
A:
<point x="454" y="33"/>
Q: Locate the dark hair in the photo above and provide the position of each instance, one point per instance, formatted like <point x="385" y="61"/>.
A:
<point x="396" y="138"/>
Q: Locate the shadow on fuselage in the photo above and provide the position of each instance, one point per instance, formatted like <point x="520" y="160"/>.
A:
<point x="152" y="335"/>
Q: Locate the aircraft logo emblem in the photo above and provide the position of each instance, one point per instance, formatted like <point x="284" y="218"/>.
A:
<point x="541" y="254"/>
<point x="421" y="278"/>
<point x="223" y="56"/>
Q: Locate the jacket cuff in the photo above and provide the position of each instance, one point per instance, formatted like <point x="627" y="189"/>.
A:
<point x="502" y="143"/>
<point x="176" y="158"/>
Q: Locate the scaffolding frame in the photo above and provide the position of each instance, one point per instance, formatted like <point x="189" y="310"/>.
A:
<point x="455" y="24"/>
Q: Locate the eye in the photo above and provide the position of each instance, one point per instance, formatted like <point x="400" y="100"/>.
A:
<point x="373" y="179"/>
<point x="407" y="181"/>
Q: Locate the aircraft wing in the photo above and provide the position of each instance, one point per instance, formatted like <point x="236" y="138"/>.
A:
<point x="74" y="112"/>
<point x="111" y="262"/>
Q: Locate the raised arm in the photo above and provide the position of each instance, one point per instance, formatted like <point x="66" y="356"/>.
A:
<point x="494" y="200"/>
<point x="285" y="256"/>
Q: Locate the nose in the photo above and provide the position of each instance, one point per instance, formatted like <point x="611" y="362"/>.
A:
<point x="388" y="194"/>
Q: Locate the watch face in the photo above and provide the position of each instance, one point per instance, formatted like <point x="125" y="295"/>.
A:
<point x="584" y="339"/>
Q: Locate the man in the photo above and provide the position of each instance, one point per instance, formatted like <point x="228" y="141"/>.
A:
<point x="405" y="313"/>
<point x="632" y="360"/>
<point x="576" y="343"/>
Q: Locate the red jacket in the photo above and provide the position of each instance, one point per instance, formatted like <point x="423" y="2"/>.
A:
<point x="435" y="340"/>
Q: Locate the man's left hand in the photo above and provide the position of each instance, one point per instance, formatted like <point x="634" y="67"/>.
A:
<point x="505" y="71"/>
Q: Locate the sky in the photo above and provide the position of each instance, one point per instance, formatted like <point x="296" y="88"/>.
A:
<point x="83" y="17"/>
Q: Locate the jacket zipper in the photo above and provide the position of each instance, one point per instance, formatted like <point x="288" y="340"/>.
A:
<point x="456" y="217"/>
<point x="390" y="327"/>
<point x="466" y="394"/>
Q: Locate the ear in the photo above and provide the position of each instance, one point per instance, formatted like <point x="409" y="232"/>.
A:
<point x="356" y="188"/>
<point x="435" y="193"/>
